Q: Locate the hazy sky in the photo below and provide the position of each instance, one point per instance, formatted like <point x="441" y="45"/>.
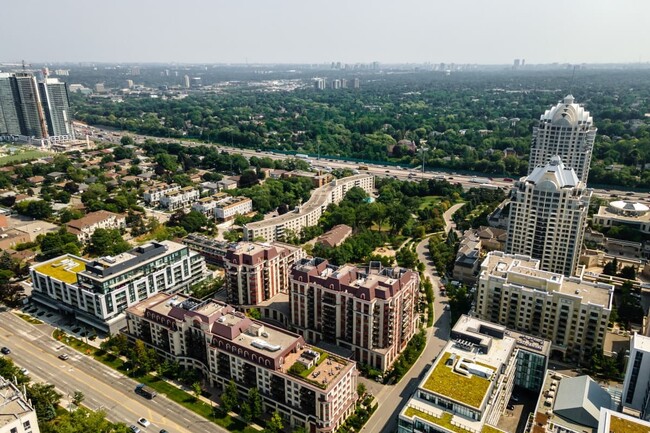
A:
<point x="307" y="31"/>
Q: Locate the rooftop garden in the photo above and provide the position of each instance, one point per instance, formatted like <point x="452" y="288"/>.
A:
<point x="64" y="269"/>
<point x="469" y="390"/>
<point x="445" y="421"/>
<point x="620" y="425"/>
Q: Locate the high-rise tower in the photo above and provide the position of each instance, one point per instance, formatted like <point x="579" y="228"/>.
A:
<point x="565" y="130"/>
<point x="54" y="97"/>
<point x="30" y="110"/>
<point x="9" y="119"/>
<point x="548" y="213"/>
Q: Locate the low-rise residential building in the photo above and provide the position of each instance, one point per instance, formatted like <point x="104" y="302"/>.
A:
<point x="153" y="195"/>
<point x="179" y="199"/>
<point x="614" y="422"/>
<point x="335" y="236"/>
<point x="206" y="205"/>
<point x="17" y="415"/>
<point x="231" y="207"/>
<point x="212" y="250"/>
<point x="470" y="383"/>
<point x="468" y="258"/>
<point x="256" y="272"/>
<point x="10" y="238"/>
<point x="569" y="311"/>
<point x="309" y="213"/>
<point x="370" y="311"/>
<point x="227" y="184"/>
<point x="98" y="291"/>
<point x="636" y="386"/>
<point x="84" y="227"/>
<point x="309" y="387"/>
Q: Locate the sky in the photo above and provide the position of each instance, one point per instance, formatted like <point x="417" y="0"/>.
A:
<point x="307" y="31"/>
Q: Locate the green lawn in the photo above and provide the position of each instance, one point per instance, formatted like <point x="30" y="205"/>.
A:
<point x="29" y="319"/>
<point x="445" y="421"/>
<point x="429" y="200"/>
<point x="23" y="156"/>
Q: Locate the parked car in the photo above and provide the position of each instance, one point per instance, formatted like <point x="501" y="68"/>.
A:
<point x="135" y="429"/>
<point x="5" y="350"/>
<point x="144" y="422"/>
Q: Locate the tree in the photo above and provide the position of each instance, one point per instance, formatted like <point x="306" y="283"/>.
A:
<point x="230" y="397"/>
<point x="44" y="398"/>
<point x="361" y="390"/>
<point x="254" y="313"/>
<point x="245" y="412"/>
<point x="628" y="272"/>
<point x="38" y="209"/>
<point x="78" y="397"/>
<point x="107" y="242"/>
<point x="58" y="243"/>
<point x="274" y="425"/>
<point x="611" y="268"/>
<point x="126" y="140"/>
<point x="192" y="221"/>
<point x="248" y="178"/>
<point x="196" y="389"/>
<point x="255" y="402"/>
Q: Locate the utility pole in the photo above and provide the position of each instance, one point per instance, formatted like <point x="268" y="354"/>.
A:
<point x="422" y="150"/>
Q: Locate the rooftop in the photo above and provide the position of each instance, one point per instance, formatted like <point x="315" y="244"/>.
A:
<point x="567" y="113"/>
<point x="625" y="211"/>
<point x="92" y="218"/>
<point x="63" y="268"/>
<point x="431" y="414"/>
<point x="13" y="404"/>
<point x="614" y="422"/>
<point x="554" y="173"/>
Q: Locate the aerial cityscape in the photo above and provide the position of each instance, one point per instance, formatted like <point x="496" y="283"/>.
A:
<point x="267" y="225"/>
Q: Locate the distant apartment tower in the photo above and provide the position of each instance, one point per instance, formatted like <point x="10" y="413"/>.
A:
<point x="17" y="415"/>
<point x="571" y="313"/>
<point x="548" y="214"/>
<point x="566" y="130"/>
<point x="29" y="106"/>
<point x="319" y="84"/>
<point x="186" y="81"/>
<point x="356" y="83"/>
<point x="370" y="311"/>
<point x="256" y="272"/>
<point x="56" y="105"/>
<point x="336" y="84"/>
<point x="636" y="386"/>
<point x="10" y="120"/>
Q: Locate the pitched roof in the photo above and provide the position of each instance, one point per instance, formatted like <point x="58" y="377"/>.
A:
<point x="90" y="219"/>
<point x="579" y="400"/>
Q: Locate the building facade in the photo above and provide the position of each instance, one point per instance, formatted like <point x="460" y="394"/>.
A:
<point x="212" y="250"/>
<point x="565" y="130"/>
<point x="309" y="387"/>
<point x="56" y="105"/>
<point x="370" y="311"/>
<point x="97" y="292"/>
<point x="571" y="313"/>
<point x="9" y="118"/>
<point x="153" y="195"/>
<point x="17" y="415"/>
<point x="636" y="386"/>
<point x="84" y="227"/>
<point x="256" y="272"/>
<point x="179" y="199"/>
<point x="470" y="383"/>
<point x="548" y="216"/>
<point x="231" y="207"/>
<point x="309" y="213"/>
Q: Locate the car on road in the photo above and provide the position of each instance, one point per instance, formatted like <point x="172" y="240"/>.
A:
<point x="5" y="350"/>
<point x="24" y="371"/>
<point x="446" y="307"/>
<point x="144" y="422"/>
<point x="135" y="429"/>
<point x="163" y="431"/>
<point x="64" y="356"/>
<point x="510" y="407"/>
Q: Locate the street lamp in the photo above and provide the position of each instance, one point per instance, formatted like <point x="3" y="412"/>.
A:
<point x="422" y="150"/>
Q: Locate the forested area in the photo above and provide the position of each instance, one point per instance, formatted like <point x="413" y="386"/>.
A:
<point x="465" y="120"/>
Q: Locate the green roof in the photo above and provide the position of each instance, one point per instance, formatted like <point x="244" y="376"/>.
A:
<point x="469" y="390"/>
<point x="620" y="425"/>
<point x="64" y="269"/>
<point x="445" y="421"/>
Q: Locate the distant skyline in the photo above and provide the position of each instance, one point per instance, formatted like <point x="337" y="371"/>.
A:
<point x="302" y="31"/>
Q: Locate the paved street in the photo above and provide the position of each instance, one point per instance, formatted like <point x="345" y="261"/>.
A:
<point x="33" y="348"/>
<point x="392" y="398"/>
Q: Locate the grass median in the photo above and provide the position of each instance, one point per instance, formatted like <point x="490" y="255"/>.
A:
<point x="163" y="387"/>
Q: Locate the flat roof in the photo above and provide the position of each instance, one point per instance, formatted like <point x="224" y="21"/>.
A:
<point x="13" y="405"/>
<point x="63" y="268"/>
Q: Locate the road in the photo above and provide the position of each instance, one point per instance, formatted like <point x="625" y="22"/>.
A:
<point x="376" y="169"/>
<point x="391" y="399"/>
<point x="32" y="347"/>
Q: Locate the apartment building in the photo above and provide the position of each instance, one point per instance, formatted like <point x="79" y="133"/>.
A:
<point x="17" y="415"/>
<point x="153" y="195"/>
<point x="370" y="311"/>
<point x="256" y="272"/>
<point x="84" y="227"/>
<point x="548" y="216"/>
<point x="206" y="205"/>
<point x="571" y="313"/>
<point x="309" y="387"/>
<point x="98" y="291"/>
<point x="212" y="250"/>
<point x="231" y="207"/>
<point x="470" y="383"/>
<point x="309" y="213"/>
<point x="180" y="199"/>
<point x="566" y="130"/>
<point x="636" y="386"/>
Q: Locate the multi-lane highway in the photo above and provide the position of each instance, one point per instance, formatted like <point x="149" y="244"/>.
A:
<point x="32" y="347"/>
<point x="376" y="169"/>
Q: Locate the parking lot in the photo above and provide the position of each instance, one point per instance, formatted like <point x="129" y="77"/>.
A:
<point x="69" y="325"/>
